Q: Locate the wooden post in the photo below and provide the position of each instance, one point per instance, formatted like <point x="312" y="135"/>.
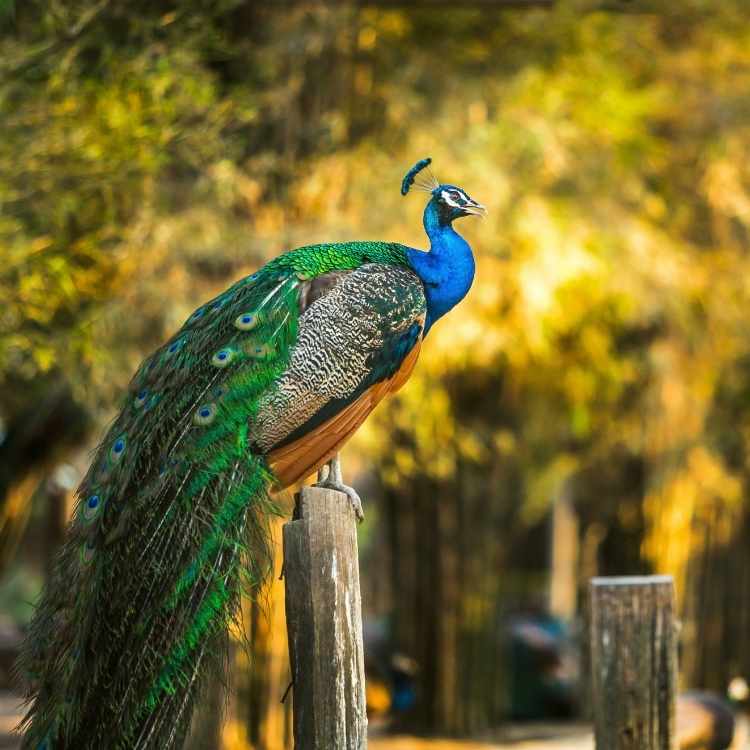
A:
<point x="633" y="663"/>
<point x="324" y="623"/>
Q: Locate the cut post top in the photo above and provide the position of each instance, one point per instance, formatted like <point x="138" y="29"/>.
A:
<point x="310" y="500"/>
<point x="631" y="580"/>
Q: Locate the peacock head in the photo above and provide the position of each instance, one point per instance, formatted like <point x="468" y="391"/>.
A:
<point x="449" y="202"/>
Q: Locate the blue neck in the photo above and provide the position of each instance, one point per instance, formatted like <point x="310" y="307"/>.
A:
<point x="447" y="270"/>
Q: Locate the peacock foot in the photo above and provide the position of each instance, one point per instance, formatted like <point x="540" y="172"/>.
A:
<point x="329" y="477"/>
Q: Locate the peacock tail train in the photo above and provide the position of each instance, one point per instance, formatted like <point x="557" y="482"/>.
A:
<point x="170" y="524"/>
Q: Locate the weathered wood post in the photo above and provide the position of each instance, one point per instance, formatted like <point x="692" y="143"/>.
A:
<point x="324" y="623"/>
<point x="633" y="663"/>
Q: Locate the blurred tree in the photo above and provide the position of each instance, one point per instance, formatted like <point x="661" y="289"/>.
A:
<point x="153" y="151"/>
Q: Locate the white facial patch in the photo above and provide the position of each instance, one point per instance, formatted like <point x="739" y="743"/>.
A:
<point x="445" y="195"/>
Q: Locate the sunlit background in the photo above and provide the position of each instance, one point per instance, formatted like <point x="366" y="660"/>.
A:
<point x="585" y="411"/>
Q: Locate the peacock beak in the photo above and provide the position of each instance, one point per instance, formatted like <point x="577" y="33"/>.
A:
<point x="476" y="209"/>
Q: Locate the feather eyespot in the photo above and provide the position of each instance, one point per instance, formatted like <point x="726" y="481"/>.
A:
<point x="197" y="315"/>
<point x="92" y="507"/>
<point x="87" y="552"/>
<point x="222" y="358"/>
<point x="167" y="465"/>
<point x="219" y="303"/>
<point x="220" y="391"/>
<point x="205" y="414"/>
<point x="175" y="346"/>
<point x="141" y="398"/>
<point x="117" y="449"/>
<point x="246" y="321"/>
<point x="258" y="351"/>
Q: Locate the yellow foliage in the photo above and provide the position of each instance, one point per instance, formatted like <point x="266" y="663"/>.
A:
<point x="609" y="311"/>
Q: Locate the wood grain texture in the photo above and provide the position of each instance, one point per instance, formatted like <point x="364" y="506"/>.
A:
<point x="633" y="663"/>
<point x="324" y="623"/>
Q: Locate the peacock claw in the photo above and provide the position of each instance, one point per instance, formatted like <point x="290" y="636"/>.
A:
<point x="332" y="480"/>
<point x="351" y="493"/>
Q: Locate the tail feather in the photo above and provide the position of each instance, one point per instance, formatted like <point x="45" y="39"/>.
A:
<point x="151" y="674"/>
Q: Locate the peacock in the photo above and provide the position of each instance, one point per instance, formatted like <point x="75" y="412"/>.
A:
<point x="260" y="388"/>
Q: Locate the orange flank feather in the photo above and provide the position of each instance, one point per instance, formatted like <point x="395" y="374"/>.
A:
<point x="292" y="463"/>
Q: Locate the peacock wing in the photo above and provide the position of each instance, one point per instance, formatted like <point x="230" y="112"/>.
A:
<point x="358" y="341"/>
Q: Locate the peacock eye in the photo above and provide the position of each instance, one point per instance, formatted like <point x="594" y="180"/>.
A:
<point x="455" y="195"/>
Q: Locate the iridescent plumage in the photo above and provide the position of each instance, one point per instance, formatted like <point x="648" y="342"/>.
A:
<point x="260" y="387"/>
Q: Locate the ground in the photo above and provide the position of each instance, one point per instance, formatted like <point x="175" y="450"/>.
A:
<point x="537" y="736"/>
<point x="540" y="737"/>
<point x="525" y="737"/>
